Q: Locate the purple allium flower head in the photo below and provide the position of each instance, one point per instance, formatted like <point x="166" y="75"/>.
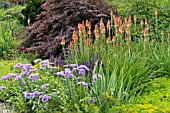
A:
<point x="18" y="78"/>
<point x="37" y="60"/>
<point x="92" y="100"/>
<point x="45" y="98"/>
<point x="61" y="73"/>
<point x="83" y="67"/>
<point x="27" y="66"/>
<point x="27" y="95"/>
<point x="18" y="65"/>
<point x="73" y="65"/>
<point x="2" y="88"/>
<point x="44" y="86"/>
<point x="83" y="83"/>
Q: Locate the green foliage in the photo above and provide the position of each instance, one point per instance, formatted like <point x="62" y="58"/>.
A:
<point x="145" y="9"/>
<point x="14" y="13"/>
<point x="155" y="99"/>
<point x="6" y="66"/>
<point x="33" y="8"/>
<point x="9" y="30"/>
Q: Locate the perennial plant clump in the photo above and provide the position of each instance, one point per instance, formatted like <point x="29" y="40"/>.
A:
<point x="107" y="68"/>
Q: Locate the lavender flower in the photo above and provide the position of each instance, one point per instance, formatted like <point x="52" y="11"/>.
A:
<point x="61" y="73"/>
<point x="44" y="86"/>
<point x="45" y="98"/>
<point x="60" y="62"/>
<point x="2" y="88"/>
<point x="52" y="59"/>
<point x="18" y="65"/>
<point x="36" y="61"/>
<point x="19" y="78"/>
<point x="83" y="83"/>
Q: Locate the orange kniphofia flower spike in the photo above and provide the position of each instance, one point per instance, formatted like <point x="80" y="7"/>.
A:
<point x="146" y="21"/>
<point x="117" y="32"/>
<point x="71" y="45"/>
<point x="162" y="33"/>
<point x="62" y="41"/>
<point x="128" y="30"/>
<point x="121" y="28"/>
<point x="145" y="38"/>
<point x="156" y="12"/>
<point x="108" y="40"/>
<point x="114" y="39"/>
<point x="116" y="21"/>
<point x="145" y="32"/>
<point x="135" y="18"/>
<point x="87" y="22"/>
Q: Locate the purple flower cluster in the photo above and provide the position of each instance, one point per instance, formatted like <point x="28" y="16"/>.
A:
<point x="83" y="83"/>
<point x="45" y="98"/>
<point x="8" y="76"/>
<point x="45" y="63"/>
<point x="27" y="69"/>
<point x="67" y="73"/>
<point x="34" y="76"/>
<point x="32" y="95"/>
<point x="18" y="65"/>
<point x="2" y="88"/>
<point x="19" y="78"/>
<point x="44" y="86"/>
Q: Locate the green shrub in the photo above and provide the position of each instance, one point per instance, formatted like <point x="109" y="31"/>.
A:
<point x="8" y="33"/>
<point x="33" y="8"/>
<point x="14" y="13"/>
<point x="155" y="99"/>
<point x="143" y="9"/>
